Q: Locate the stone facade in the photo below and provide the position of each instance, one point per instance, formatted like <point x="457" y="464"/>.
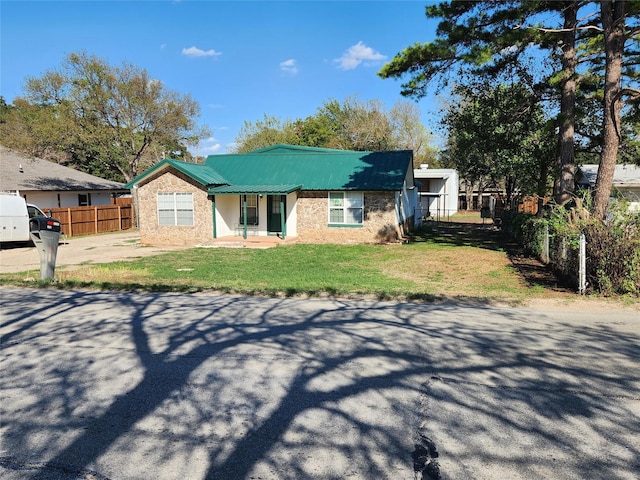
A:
<point x="173" y="182"/>
<point x="380" y="224"/>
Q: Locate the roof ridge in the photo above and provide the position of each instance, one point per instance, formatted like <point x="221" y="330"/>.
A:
<point x="302" y="148"/>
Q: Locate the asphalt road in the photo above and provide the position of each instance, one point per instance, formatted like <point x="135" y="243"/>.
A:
<point x="118" y="386"/>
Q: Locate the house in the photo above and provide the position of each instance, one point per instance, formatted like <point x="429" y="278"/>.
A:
<point x="626" y="181"/>
<point x="437" y="192"/>
<point x="313" y="194"/>
<point x="50" y="185"/>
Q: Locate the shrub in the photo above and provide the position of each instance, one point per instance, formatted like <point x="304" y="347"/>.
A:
<point x="612" y="245"/>
<point x="613" y="254"/>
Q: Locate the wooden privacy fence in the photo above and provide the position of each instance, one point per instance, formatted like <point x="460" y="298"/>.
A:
<point x="531" y="204"/>
<point x="91" y="220"/>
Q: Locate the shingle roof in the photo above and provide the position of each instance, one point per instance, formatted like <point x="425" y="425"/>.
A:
<point x="285" y="168"/>
<point x="624" y="175"/>
<point x="19" y="172"/>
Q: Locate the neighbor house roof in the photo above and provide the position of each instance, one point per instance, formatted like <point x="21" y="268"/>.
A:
<point x="20" y="172"/>
<point x="285" y="168"/>
<point x="437" y="173"/>
<point x="624" y="175"/>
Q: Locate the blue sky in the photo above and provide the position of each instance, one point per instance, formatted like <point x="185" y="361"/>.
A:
<point x="239" y="60"/>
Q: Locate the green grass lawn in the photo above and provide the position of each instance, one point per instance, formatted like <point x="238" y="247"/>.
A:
<point x="449" y="261"/>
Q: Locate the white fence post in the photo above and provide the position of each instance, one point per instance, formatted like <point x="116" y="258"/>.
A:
<point x="545" y="245"/>
<point x="582" y="273"/>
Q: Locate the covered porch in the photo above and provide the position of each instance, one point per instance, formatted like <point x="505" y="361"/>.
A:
<point x="253" y="211"/>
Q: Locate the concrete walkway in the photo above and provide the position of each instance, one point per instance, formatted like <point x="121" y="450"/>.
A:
<point x="119" y="386"/>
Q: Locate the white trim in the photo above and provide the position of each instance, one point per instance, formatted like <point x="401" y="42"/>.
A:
<point x="176" y="204"/>
<point x="351" y="205"/>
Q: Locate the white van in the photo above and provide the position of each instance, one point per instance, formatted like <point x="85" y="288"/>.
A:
<point x="15" y="213"/>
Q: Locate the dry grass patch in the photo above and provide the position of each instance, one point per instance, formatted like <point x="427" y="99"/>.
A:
<point x="470" y="271"/>
<point x="104" y="274"/>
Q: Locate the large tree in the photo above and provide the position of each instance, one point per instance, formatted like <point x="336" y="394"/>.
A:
<point x="616" y="32"/>
<point x="411" y="134"/>
<point x="489" y="38"/>
<point x="106" y="120"/>
<point x="36" y="130"/>
<point x="353" y="124"/>
<point x="500" y="134"/>
<point x="263" y="133"/>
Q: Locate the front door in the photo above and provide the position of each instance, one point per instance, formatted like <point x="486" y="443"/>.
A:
<point x="275" y="203"/>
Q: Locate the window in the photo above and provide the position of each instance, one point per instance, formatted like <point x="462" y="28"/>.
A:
<point x="34" y="211"/>
<point x="252" y="209"/>
<point x="345" y="208"/>
<point x="175" y="209"/>
<point x="84" y="199"/>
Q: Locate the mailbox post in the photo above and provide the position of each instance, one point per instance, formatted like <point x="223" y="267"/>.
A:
<point x="45" y="234"/>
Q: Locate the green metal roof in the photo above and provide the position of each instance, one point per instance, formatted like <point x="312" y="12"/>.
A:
<point x="282" y="169"/>
<point x="200" y="173"/>
<point x="314" y="168"/>
<point x="254" y="189"/>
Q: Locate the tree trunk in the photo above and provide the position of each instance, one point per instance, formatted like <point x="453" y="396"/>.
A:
<point x="564" y="185"/>
<point x="468" y="191"/>
<point x="612" y="13"/>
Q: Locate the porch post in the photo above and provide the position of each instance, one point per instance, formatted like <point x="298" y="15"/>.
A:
<point x="283" y="224"/>
<point x="213" y="215"/>
<point x="244" y="219"/>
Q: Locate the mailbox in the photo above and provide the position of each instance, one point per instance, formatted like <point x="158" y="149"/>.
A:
<point x="45" y="234"/>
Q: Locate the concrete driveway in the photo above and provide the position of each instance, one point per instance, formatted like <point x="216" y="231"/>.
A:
<point x="99" y="385"/>
<point x="75" y="251"/>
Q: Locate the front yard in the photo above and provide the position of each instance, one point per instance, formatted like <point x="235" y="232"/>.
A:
<point x="456" y="261"/>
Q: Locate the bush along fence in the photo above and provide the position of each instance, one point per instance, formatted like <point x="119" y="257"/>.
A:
<point x="585" y="253"/>
<point x="91" y="220"/>
<point x="567" y="256"/>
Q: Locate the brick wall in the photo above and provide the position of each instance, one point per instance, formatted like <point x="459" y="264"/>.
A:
<point x="379" y="219"/>
<point x="173" y="182"/>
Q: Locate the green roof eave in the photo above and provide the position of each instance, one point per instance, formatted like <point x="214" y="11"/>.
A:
<point x="202" y="174"/>
<point x="253" y="189"/>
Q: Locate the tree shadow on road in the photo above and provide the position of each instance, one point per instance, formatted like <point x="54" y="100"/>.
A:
<point x="221" y="387"/>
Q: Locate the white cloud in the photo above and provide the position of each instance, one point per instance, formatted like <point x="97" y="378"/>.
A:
<point x="208" y="146"/>
<point x="210" y="149"/>
<point x="196" y="52"/>
<point x="289" y="66"/>
<point x="357" y="54"/>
